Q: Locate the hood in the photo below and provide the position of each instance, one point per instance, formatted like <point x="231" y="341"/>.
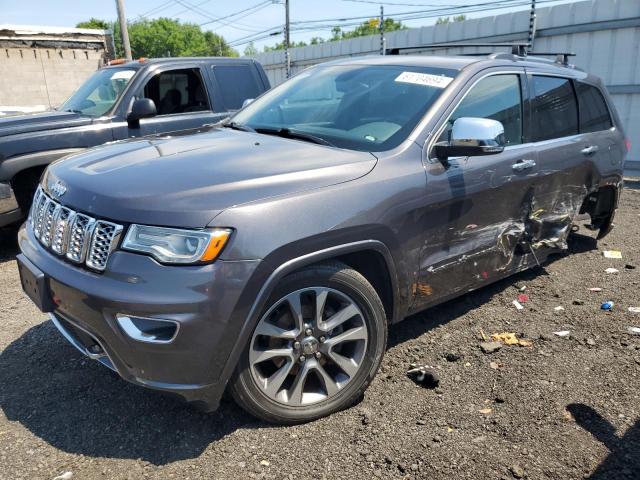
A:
<point x="35" y="122"/>
<point x="186" y="181"/>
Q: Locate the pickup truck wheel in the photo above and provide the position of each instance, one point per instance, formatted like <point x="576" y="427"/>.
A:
<point x="316" y="347"/>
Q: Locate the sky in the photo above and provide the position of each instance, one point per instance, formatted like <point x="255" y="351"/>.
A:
<point x="268" y="15"/>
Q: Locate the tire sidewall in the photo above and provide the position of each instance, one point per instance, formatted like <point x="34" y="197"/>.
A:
<point x="356" y="287"/>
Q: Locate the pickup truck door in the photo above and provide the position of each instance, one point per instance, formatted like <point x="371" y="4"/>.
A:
<point x="478" y="204"/>
<point x="183" y="97"/>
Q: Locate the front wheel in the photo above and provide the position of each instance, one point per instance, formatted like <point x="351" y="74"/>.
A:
<point x="316" y="347"/>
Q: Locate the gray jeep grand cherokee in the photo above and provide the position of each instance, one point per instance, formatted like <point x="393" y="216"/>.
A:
<point x="270" y="253"/>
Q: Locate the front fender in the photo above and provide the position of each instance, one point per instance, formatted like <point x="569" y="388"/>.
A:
<point x="11" y="166"/>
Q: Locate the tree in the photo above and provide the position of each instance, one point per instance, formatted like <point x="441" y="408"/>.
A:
<point x="94" y="23"/>
<point x="369" y="27"/>
<point x="250" y="50"/>
<point x="164" y="37"/>
<point x="446" y="20"/>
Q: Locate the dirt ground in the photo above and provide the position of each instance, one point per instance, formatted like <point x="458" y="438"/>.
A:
<point x="564" y="408"/>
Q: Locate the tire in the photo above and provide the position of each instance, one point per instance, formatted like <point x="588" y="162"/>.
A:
<point x="337" y="292"/>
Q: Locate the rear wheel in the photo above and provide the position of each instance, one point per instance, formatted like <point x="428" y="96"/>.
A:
<point x="316" y="347"/>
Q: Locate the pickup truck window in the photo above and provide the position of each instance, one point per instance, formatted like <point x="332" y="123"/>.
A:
<point x="358" y="107"/>
<point x="237" y="83"/>
<point x="99" y="93"/>
<point x="177" y="91"/>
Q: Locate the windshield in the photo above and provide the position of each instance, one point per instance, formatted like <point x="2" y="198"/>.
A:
<point x="98" y="94"/>
<point x="358" y="107"/>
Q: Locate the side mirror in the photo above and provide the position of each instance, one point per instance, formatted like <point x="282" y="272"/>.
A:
<point x="472" y="137"/>
<point x="247" y="102"/>
<point x="141" y="108"/>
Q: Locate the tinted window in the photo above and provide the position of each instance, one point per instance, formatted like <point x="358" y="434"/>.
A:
<point x="555" y="111"/>
<point x="237" y="83"/>
<point x="496" y="97"/>
<point x="594" y="114"/>
<point x="177" y="91"/>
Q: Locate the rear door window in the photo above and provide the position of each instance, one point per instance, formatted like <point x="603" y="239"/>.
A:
<point x="554" y="108"/>
<point x="594" y="114"/>
<point x="236" y="83"/>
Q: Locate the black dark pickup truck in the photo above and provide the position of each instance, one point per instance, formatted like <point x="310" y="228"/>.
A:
<point x="133" y="99"/>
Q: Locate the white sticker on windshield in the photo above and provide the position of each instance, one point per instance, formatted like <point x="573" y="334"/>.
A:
<point x="123" y="75"/>
<point x="426" y="79"/>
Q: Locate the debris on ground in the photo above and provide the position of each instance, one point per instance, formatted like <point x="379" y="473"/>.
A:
<point x="64" y="476"/>
<point x="628" y="266"/>
<point x="490" y="347"/>
<point x="425" y="376"/>
<point x="611" y="270"/>
<point x="517" y="471"/>
<point x="559" y="308"/>
<point x="562" y="333"/>
<point x="452" y="357"/>
<point x="485" y="411"/>
<point x="518" y="305"/>
<point x="577" y="301"/>
<point x="509" y="338"/>
<point x="634" y="309"/>
<point x="591" y="342"/>
<point x="495" y="365"/>
<point x="607" y="305"/>
<point x="523" y="298"/>
<point x="595" y="289"/>
<point x="633" y="330"/>
<point x="265" y="463"/>
<point x="612" y="254"/>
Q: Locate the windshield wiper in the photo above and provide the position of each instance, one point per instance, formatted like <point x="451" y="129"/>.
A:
<point x="288" y="133"/>
<point x="73" y="111"/>
<point x="237" y="126"/>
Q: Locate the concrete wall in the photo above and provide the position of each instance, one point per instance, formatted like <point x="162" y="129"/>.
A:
<point x="605" y="35"/>
<point x="46" y="77"/>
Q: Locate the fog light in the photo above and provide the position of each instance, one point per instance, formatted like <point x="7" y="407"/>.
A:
<point x="149" y="330"/>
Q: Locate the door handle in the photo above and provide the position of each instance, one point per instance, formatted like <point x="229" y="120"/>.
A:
<point x="522" y="165"/>
<point x="590" y="150"/>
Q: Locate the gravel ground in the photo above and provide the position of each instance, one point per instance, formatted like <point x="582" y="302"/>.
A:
<point x="564" y="408"/>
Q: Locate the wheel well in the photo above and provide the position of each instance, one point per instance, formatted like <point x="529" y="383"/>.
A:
<point x="600" y="205"/>
<point x="24" y="185"/>
<point x="372" y="266"/>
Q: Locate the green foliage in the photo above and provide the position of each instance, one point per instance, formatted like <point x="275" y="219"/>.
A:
<point x="250" y="50"/>
<point x="446" y="20"/>
<point x="164" y="37"/>
<point x="94" y="23"/>
<point x="369" y="27"/>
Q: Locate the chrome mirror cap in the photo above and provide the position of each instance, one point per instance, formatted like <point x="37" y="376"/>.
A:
<point x="483" y="133"/>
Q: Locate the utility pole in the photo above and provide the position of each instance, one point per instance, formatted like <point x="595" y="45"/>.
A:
<point x="287" y="38"/>
<point x="532" y="26"/>
<point x="383" y="49"/>
<point x="124" y="32"/>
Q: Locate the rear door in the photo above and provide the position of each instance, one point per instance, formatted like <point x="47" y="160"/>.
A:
<point x="233" y="84"/>
<point x="476" y="222"/>
<point x="565" y="160"/>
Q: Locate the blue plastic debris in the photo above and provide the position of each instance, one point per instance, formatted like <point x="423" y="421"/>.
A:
<point x="608" y="305"/>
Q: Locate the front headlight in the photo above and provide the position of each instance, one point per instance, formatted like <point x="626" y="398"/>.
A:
<point x="173" y="245"/>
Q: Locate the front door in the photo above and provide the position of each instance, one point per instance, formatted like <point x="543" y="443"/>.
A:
<point x="182" y="102"/>
<point x="480" y="202"/>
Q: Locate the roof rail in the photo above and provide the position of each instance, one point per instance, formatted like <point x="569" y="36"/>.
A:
<point x="518" y="50"/>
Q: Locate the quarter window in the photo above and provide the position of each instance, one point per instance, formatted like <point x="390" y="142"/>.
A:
<point x="594" y="114"/>
<point x="497" y="97"/>
<point x="555" y="110"/>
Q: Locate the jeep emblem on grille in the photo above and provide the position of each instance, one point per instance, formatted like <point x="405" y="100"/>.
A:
<point x="58" y="189"/>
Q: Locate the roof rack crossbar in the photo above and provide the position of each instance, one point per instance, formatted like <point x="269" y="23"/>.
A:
<point x="561" y="57"/>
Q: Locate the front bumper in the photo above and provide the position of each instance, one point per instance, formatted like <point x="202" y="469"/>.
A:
<point x="201" y="299"/>
<point x="10" y="211"/>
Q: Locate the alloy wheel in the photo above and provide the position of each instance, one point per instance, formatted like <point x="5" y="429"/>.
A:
<point x="308" y="346"/>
